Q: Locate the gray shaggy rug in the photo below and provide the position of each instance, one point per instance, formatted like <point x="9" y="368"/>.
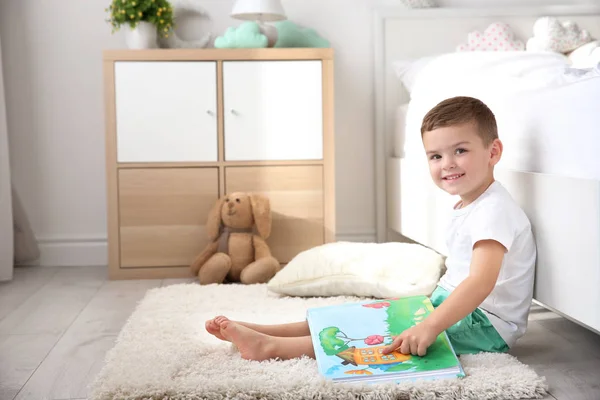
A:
<point x="163" y="352"/>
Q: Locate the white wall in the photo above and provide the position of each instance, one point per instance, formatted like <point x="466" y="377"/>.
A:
<point x="52" y="53"/>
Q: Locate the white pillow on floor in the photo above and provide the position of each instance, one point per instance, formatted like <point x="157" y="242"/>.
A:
<point x="380" y="270"/>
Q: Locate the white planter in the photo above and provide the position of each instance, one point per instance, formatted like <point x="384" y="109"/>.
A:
<point x="143" y="36"/>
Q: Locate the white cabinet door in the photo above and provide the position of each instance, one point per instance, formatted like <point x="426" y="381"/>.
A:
<point x="166" y="111"/>
<point x="273" y="110"/>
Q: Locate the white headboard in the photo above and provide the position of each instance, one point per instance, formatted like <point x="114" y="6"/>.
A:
<point x="402" y="33"/>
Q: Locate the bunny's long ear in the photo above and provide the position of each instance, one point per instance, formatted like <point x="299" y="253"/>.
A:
<point x="213" y="223"/>
<point x="261" y="211"/>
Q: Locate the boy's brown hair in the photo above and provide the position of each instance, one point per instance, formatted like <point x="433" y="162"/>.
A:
<point x="459" y="110"/>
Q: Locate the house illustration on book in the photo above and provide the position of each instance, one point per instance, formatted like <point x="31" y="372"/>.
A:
<point x="370" y="356"/>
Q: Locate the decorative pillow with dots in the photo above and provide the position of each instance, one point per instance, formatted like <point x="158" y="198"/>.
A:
<point x="550" y="34"/>
<point x="497" y="37"/>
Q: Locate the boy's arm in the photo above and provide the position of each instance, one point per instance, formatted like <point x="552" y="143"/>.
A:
<point x="484" y="270"/>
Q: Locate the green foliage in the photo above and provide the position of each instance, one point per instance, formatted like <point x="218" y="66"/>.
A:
<point x="401" y="314"/>
<point x="132" y="12"/>
<point x="330" y="342"/>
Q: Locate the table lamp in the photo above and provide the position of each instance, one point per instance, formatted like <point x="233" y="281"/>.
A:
<point x="260" y="11"/>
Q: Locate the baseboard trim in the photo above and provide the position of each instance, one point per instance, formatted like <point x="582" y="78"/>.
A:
<point x="93" y="251"/>
<point x="68" y="252"/>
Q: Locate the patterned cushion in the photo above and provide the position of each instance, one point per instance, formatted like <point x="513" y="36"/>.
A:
<point x="550" y="34"/>
<point x="497" y="37"/>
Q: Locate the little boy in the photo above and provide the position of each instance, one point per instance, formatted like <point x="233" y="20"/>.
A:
<point x="483" y="299"/>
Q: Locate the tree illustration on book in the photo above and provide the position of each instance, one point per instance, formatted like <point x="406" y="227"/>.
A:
<point x="334" y="340"/>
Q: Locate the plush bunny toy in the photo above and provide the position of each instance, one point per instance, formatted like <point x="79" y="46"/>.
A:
<point x="236" y="253"/>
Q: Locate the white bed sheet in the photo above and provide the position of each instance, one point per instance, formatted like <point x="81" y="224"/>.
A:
<point x="553" y="130"/>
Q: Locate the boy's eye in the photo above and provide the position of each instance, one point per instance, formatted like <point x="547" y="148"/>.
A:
<point x="461" y="151"/>
<point x="435" y="157"/>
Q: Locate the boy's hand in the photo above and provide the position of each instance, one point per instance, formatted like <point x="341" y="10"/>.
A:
<point x="414" y="340"/>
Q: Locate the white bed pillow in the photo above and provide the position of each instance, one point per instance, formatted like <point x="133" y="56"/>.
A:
<point x="408" y="70"/>
<point x="586" y="56"/>
<point x="380" y="270"/>
<point x="506" y="71"/>
<point x="536" y="68"/>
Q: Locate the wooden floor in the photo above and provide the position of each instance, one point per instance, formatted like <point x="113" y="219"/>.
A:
<point x="56" y="324"/>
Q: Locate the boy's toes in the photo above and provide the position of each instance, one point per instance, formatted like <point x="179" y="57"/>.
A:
<point x="213" y="328"/>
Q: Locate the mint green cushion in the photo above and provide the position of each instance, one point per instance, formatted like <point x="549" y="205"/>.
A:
<point x="245" y="36"/>
<point x="248" y="35"/>
<point x="292" y="35"/>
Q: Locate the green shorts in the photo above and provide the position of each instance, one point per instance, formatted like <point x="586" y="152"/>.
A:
<point x="472" y="334"/>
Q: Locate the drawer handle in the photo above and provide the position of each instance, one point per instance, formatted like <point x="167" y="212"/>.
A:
<point x="234" y="112"/>
<point x="210" y="112"/>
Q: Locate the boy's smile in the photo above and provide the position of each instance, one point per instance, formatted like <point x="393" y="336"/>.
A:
<point x="459" y="162"/>
<point x="453" y="177"/>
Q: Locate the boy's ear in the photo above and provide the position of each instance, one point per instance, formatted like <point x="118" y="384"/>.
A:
<point x="496" y="149"/>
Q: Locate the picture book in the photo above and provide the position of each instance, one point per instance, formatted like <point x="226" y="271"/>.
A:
<point x="349" y="339"/>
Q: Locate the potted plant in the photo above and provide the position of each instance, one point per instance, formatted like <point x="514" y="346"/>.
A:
<point x="146" y="20"/>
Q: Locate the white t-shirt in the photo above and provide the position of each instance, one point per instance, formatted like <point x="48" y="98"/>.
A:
<point x="495" y="215"/>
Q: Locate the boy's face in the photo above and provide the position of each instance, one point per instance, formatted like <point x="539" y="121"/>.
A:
<point x="459" y="162"/>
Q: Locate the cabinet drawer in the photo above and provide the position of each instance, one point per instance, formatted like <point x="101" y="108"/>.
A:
<point x="296" y="195"/>
<point x="166" y="111"/>
<point x="273" y="110"/>
<point x="162" y="215"/>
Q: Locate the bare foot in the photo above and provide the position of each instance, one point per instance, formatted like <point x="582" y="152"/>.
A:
<point x="251" y="344"/>
<point x="213" y="326"/>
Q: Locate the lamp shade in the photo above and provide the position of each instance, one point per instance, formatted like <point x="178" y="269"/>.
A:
<point x="258" y="10"/>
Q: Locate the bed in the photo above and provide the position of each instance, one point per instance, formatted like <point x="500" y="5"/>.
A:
<point x="547" y="121"/>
